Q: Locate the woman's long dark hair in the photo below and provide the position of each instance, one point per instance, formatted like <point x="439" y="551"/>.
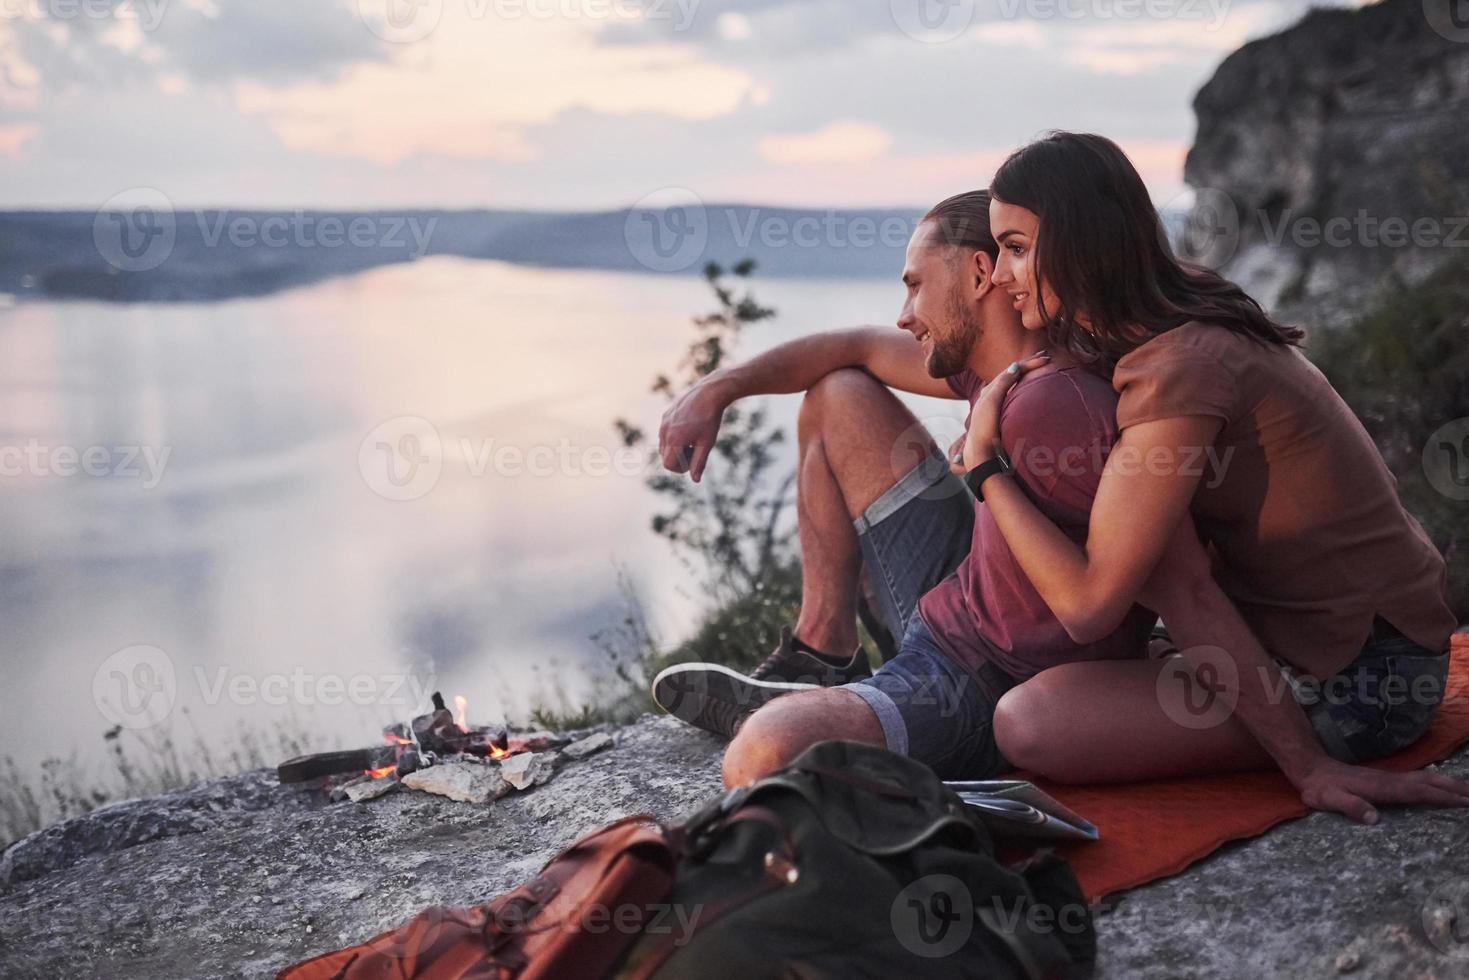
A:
<point x="1102" y="251"/>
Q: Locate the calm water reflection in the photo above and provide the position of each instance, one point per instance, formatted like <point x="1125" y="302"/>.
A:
<point x="227" y="520"/>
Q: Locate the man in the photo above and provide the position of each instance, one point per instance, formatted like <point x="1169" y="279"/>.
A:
<point x="970" y="623"/>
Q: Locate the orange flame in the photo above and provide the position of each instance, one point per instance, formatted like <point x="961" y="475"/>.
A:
<point x="381" y="773"/>
<point x="461" y="711"/>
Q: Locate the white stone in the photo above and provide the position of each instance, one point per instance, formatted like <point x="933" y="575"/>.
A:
<point x="369" y="789"/>
<point x="527" y="769"/>
<point x="463" y="781"/>
<point x="588" y="745"/>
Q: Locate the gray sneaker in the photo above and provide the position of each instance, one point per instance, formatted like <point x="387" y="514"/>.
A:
<point x="718" y="699"/>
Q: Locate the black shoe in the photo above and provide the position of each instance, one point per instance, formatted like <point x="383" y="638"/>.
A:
<point x="796" y="663"/>
<point x="718" y="699"/>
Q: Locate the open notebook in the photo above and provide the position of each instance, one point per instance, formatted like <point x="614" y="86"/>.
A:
<point x="1016" y="808"/>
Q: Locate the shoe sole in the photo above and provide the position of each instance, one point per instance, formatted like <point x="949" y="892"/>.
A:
<point x="689" y="691"/>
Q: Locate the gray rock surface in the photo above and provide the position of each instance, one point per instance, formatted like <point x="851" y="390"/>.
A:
<point x="240" y="877"/>
<point x="1354" y="116"/>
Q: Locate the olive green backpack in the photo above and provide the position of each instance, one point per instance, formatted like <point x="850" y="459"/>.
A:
<point x="856" y="862"/>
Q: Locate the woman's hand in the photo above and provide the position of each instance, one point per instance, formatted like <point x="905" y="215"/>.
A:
<point x="983" y="437"/>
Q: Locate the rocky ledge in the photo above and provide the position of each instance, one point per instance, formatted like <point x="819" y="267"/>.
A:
<point x="239" y="877"/>
<point x="1330" y="158"/>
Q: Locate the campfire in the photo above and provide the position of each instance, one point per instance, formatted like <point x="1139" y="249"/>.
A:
<point x="440" y="752"/>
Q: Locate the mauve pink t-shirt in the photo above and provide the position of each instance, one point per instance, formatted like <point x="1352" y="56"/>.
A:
<point x="1057" y="426"/>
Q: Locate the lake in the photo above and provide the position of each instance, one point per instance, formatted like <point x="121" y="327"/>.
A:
<point x="319" y="506"/>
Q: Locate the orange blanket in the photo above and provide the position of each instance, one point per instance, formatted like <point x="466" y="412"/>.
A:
<point x="1155" y="829"/>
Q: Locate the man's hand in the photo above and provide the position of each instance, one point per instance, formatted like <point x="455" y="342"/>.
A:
<point x="690" y="427"/>
<point x="1353" y="790"/>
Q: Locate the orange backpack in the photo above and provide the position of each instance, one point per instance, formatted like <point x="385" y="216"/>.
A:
<point x="543" y="930"/>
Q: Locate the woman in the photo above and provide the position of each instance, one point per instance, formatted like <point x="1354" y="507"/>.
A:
<point x="1321" y="581"/>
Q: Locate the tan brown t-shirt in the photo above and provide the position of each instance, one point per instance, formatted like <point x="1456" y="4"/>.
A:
<point x="1304" y="514"/>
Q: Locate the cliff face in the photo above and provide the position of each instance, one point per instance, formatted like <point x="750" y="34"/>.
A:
<point x="1333" y="159"/>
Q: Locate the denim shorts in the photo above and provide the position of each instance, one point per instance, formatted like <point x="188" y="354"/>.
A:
<point x="1379" y="703"/>
<point x="930" y="708"/>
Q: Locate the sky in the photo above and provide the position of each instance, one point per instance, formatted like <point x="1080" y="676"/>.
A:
<point x="588" y="104"/>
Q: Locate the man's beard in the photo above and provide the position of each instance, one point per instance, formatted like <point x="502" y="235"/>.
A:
<point x="951" y="351"/>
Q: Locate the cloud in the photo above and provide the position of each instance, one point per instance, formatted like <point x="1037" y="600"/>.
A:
<point x="835" y="143"/>
<point x="267" y="41"/>
<point x="290" y="102"/>
<point x="120" y="42"/>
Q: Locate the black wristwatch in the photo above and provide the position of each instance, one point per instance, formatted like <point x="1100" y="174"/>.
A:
<point x="976" y="477"/>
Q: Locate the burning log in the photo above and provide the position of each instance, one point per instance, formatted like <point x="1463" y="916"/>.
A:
<point x="430" y="744"/>
<point x="308" y="767"/>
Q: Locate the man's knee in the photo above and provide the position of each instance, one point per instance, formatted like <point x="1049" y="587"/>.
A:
<point x="837" y="392"/>
<point x="759" y="748"/>
<point x="774" y="736"/>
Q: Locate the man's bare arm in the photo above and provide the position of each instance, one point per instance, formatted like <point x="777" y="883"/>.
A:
<point x="691" y="424"/>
